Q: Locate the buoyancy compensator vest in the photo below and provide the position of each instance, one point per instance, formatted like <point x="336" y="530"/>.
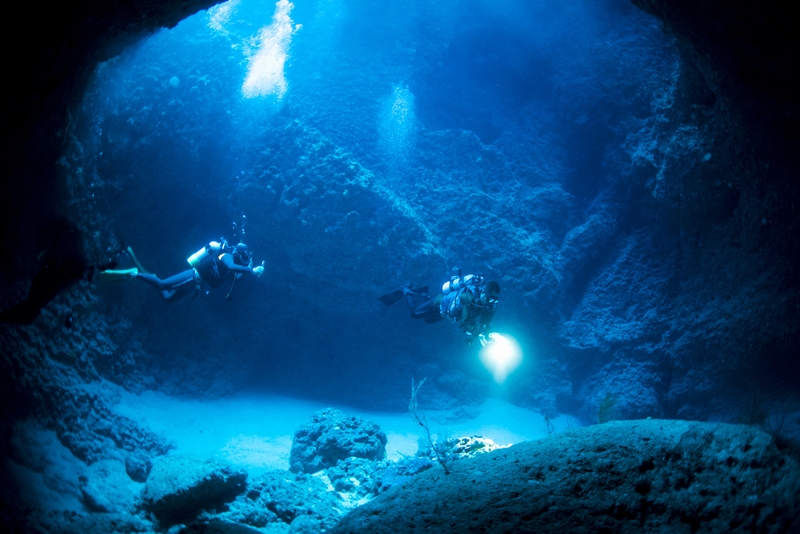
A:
<point x="451" y="305"/>
<point x="207" y="262"/>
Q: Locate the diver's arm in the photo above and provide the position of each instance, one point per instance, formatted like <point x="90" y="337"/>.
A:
<point x="483" y="322"/>
<point x="227" y="259"/>
<point x="469" y="321"/>
<point x="466" y="301"/>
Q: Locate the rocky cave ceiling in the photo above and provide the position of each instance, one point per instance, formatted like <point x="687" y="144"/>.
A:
<point x="745" y="51"/>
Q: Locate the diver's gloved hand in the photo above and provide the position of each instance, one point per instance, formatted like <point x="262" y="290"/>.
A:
<point x="258" y="271"/>
<point x="488" y="339"/>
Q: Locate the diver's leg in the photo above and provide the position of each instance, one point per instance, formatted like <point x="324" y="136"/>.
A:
<point x="411" y="299"/>
<point x="132" y="256"/>
<point x="423" y="311"/>
<point x="171" y="288"/>
<point x="172" y="282"/>
<point x="171" y="295"/>
<point x="151" y="279"/>
<point x="429" y="310"/>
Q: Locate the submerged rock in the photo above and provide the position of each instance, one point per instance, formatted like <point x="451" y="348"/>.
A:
<point x="40" y="471"/>
<point x="108" y="488"/>
<point x="280" y="498"/>
<point x="217" y="527"/>
<point x="331" y="436"/>
<point x="634" y="476"/>
<point x="74" y="523"/>
<point x="397" y="473"/>
<point x="354" y="475"/>
<point x="180" y="487"/>
<point x="138" y="466"/>
<point x="360" y="480"/>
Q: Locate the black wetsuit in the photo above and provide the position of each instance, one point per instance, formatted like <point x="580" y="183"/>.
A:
<point x="475" y="321"/>
<point x="213" y="272"/>
<point x="428" y="311"/>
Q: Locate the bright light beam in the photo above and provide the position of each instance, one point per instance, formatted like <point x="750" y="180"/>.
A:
<point x="265" y="75"/>
<point x="501" y="355"/>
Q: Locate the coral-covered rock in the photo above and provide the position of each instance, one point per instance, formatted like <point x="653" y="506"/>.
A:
<point x="633" y="476"/>
<point x="469" y="447"/>
<point x="180" y="487"/>
<point x="353" y="475"/>
<point x="393" y="474"/>
<point x="138" y="466"/>
<point x="331" y="436"/>
<point x="282" y="498"/>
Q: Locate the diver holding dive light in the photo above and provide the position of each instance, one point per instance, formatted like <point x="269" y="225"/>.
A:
<point x="468" y="300"/>
<point x="212" y="265"/>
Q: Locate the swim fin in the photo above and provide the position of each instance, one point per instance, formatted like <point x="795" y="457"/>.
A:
<point x="390" y="298"/>
<point x="108" y="276"/>
<point x="136" y="261"/>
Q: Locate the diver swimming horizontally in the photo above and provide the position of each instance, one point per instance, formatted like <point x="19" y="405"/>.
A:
<point x="211" y="266"/>
<point x="470" y="301"/>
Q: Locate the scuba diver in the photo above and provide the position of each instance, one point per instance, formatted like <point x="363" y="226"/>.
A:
<point x="470" y="301"/>
<point x="212" y="265"/>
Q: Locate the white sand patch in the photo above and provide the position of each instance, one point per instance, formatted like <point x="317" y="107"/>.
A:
<point x="255" y="432"/>
<point x="258" y="453"/>
<point x="400" y="445"/>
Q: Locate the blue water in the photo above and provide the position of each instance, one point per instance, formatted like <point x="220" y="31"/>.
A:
<point x="355" y="147"/>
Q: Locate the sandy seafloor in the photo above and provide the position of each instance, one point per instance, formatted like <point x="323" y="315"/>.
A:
<point x="255" y="432"/>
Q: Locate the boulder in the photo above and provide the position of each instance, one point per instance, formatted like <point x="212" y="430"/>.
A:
<point x="138" y="465"/>
<point x="331" y="436"/>
<point x="632" y="476"/>
<point x="180" y="487"/>
<point x="108" y="488"/>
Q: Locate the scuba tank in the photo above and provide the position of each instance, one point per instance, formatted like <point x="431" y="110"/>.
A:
<point x="204" y="263"/>
<point x="210" y="250"/>
<point x="457" y="282"/>
<point x="450" y="306"/>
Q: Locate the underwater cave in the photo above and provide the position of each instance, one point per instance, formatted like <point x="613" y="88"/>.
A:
<point x="618" y="176"/>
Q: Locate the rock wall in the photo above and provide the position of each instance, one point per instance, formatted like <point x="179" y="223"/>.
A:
<point x="700" y="284"/>
<point x="643" y="476"/>
<point x="53" y="59"/>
